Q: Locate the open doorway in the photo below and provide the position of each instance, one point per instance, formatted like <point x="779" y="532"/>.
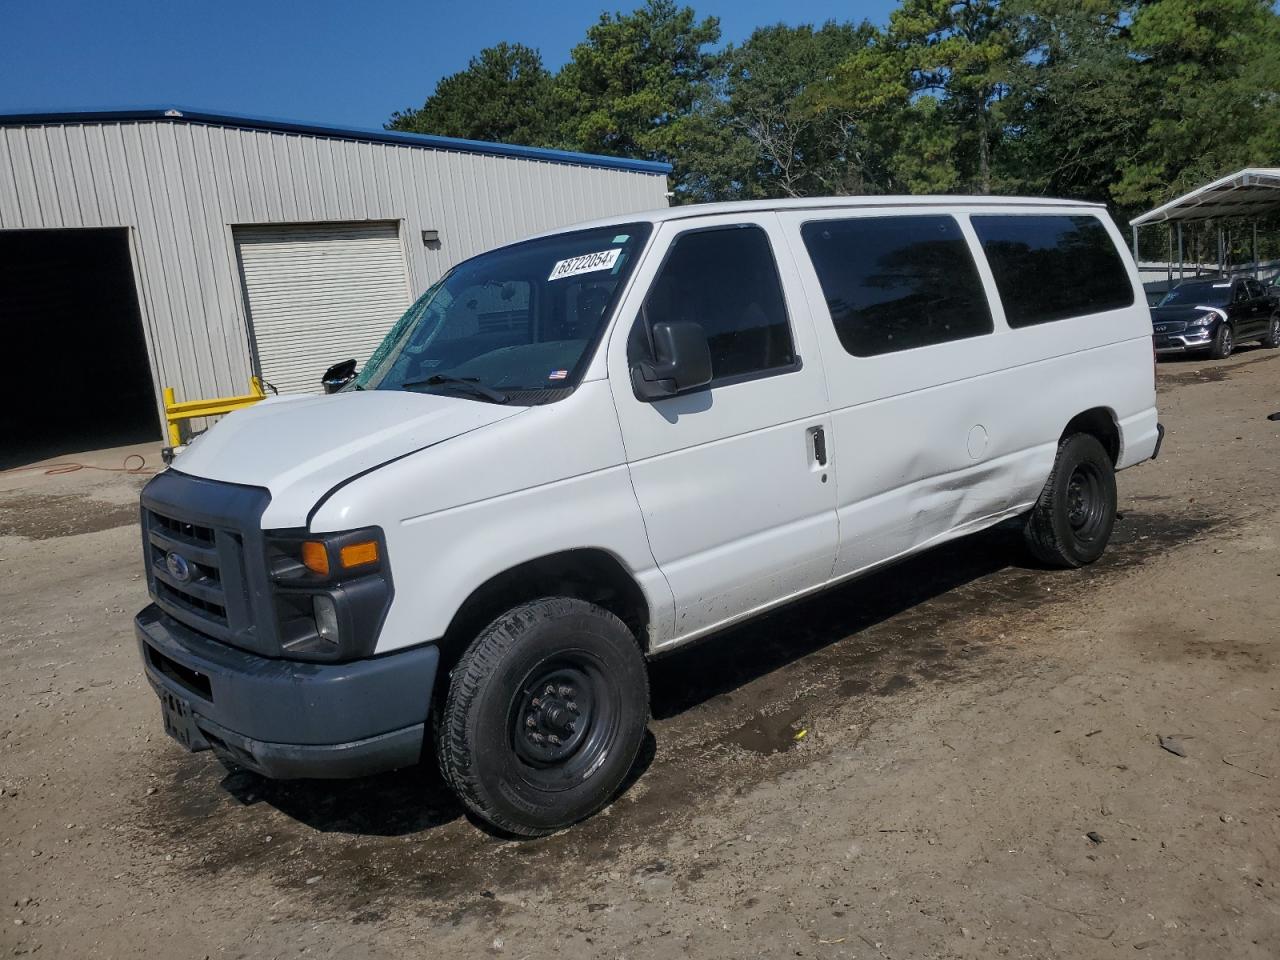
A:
<point x="78" y="375"/>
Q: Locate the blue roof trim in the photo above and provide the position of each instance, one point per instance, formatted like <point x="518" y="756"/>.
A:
<point x="176" y="114"/>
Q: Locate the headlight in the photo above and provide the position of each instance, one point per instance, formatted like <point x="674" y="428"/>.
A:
<point x="331" y="592"/>
<point x="1203" y="321"/>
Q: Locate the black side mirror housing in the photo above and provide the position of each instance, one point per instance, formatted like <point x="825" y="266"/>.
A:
<point x="338" y="376"/>
<point x="683" y="362"/>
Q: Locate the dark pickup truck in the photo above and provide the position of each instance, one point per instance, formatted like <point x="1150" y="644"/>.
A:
<point x="1214" y="314"/>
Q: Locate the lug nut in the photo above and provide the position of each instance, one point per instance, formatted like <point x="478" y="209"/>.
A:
<point x="571" y="727"/>
<point x="571" y="707"/>
<point x="550" y="691"/>
<point x="553" y="739"/>
<point x="566" y="691"/>
<point x="538" y="738"/>
<point x="530" y="721"/>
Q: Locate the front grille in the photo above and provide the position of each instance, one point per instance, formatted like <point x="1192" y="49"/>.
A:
<point x="192" y="533"/>
<point x="205" y="556"/>
<point x="200" y="592"/>
<point x="1171" y="326"/>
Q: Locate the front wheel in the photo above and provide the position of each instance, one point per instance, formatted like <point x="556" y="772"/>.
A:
<point x="545" y="714"/>
<point x="1224" y="341"/>
<point x="1272" y="339"/>
<point x="1071" y="522"/>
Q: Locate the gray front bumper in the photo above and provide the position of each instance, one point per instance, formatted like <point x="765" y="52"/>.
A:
<point x="287" y="719"/>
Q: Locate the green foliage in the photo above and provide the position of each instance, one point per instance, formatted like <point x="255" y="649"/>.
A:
<point x="1124" y="101"/>
<point x="504" y="95"/>
<point x="632" y="87"/>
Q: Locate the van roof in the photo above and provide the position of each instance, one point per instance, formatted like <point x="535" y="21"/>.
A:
<point x="691" y="210"/>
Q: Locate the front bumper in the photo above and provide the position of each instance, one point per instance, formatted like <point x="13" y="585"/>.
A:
<point x="1184" y="342"/>
<point x="287" y="719"/>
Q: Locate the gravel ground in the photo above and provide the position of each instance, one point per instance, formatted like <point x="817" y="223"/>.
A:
<point x="980" y="772"/>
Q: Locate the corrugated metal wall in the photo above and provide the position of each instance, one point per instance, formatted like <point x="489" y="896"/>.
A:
<point x="181" y="186"/>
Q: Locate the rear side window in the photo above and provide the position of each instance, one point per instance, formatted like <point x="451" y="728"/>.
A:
<point x="1053" y="267"/>
<point x="726" y="280"/>
<point x="895" y="283"/>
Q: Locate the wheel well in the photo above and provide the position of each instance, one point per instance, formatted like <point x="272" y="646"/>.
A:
<point x="1098" y="423"/>
<point x="589" y="574"/>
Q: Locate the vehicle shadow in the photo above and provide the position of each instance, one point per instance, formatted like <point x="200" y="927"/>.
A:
<point x="730" y="659"/>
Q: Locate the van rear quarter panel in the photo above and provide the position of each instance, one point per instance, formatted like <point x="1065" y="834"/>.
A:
<point x="941" y="438"/>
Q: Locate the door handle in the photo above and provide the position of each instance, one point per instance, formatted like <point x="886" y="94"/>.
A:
<point x="820" y="446"/>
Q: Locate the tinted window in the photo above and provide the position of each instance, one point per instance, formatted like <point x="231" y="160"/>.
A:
<point x="1053" y="267"/>
<point x="894" y="283"/>
<point x="1255" y="289"/>
<point x="725" y="280"/>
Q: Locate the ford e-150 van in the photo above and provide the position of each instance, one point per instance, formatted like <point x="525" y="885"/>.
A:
<point x="590" y="447"/>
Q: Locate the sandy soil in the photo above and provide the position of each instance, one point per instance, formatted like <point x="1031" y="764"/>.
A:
<point x="970" y="725"/>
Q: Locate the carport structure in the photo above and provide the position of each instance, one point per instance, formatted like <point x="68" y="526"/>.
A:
<point x="1252" y="194"/>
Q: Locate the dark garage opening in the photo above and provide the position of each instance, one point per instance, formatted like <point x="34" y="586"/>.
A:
<point x="76" y="372"/>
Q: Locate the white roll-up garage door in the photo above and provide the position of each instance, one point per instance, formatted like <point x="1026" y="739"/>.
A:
<point x="318" y="293"/>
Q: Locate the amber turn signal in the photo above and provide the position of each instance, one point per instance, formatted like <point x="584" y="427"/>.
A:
<point x="315" y="557"/>
<point x="359" y="554"/>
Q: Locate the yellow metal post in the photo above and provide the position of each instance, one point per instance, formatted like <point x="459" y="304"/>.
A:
<point x="189" y="409"/>
<point x="171" y="423"/>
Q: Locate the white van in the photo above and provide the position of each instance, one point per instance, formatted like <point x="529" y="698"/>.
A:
<point x="593" y="446"/>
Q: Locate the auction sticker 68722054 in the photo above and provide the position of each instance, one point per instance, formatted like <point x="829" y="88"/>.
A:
<point x="587" y="263"/>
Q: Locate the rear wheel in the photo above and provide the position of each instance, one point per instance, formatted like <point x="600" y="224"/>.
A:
<point x="1071" y="522"/>
<point x="1272" y="339"/>
<point x="545" y="714"/>
<point x="1224" y="341"/>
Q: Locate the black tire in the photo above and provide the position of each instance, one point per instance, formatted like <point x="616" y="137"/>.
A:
<point x="1272" y="338"/>
<point x="1071" y="522"/>
<point x="1224" y="342"/>
<point x="545" y="714"/>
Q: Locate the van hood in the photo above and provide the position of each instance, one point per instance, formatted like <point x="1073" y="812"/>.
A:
<point x="300" y="448"/>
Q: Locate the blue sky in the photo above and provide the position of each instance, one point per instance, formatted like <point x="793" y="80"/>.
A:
<point x="344" y="62"/>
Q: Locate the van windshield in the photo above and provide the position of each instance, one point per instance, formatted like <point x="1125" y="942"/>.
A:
<point x="515" y="324"/>
<point x="1206" y="293"/>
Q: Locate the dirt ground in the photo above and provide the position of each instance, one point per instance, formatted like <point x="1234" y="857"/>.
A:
<point x="980" y="773"/>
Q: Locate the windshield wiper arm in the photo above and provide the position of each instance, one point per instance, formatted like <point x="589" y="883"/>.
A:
<point x="472" y="384"/>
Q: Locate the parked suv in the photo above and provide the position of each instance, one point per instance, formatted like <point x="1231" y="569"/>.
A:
<point x="1214" y="314"/>
<point x="591" y="447"/>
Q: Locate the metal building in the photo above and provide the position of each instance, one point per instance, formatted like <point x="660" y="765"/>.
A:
<point x="164" y="247"/>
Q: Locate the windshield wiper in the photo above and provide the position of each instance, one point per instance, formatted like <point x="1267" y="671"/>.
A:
<point x="471" y="384"/>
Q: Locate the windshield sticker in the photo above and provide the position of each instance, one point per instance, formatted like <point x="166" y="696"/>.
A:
<point x="622" y="238"/>
<point x="587" y="263"/>
<point x="557" y="374"/>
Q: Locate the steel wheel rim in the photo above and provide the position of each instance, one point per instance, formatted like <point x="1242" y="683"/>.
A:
<point x="563" y="720"/>
<point x="1086" y="505"/>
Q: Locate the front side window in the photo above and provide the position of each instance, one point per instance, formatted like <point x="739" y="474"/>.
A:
<point x="724" y="279"/>
<point x="517" y="323"/>
<point x="1051" y="267"/>
<point x="895" y="283"/>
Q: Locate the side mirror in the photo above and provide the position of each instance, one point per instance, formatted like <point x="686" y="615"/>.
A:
<point x="338" y="376"/>
<point x="683" y="362"/>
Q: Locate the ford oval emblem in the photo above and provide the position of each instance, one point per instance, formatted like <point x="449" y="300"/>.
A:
<point x="178" y="567"/>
